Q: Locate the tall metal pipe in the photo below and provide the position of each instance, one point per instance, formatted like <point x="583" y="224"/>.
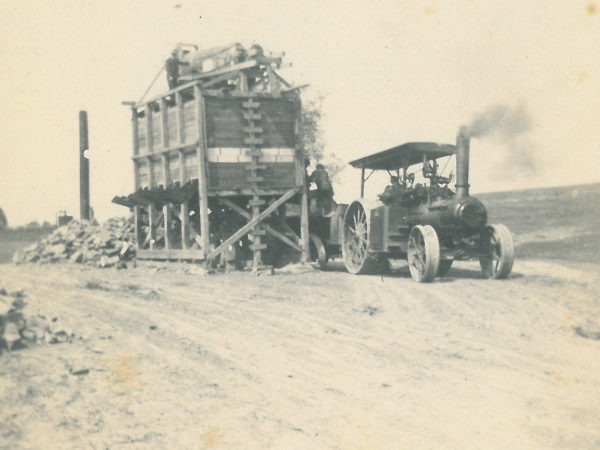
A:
<point x="84" y="168"/>
<point x="462" y="164"/>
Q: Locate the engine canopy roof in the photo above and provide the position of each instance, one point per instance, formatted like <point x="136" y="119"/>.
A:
<point x="404" y="155"/>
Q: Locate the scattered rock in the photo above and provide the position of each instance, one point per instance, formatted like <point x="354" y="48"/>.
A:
<point x="11" y="334"/>
<point x="61" y="337"/>
<point x="587" y="334"/>
<point x="79" y="372"/>
<point x="370" y="310"/>
<point x="107" y="245"/>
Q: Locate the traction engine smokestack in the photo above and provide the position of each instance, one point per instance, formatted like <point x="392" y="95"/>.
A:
<point x="462" y="164"/>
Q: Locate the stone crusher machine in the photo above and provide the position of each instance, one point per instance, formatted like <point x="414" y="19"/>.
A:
<point x="428" y="224"/>
<point x="217" y="159"/>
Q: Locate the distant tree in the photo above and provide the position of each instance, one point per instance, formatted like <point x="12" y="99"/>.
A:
<point x="3" y="221"/>
<point x="312" y="137"/>
<point x="33" y="225"/>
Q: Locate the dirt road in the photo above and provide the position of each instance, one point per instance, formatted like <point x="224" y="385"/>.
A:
<point x="311" y="360"/>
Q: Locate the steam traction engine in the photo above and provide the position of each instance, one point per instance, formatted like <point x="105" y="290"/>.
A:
<point x="216" y="159"/>
<point x="430" y="226"/>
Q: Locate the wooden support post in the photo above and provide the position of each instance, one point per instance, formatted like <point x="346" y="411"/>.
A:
<point x="181" y="167"/>
<point x="164" y="123"/>
<point x="202" y="172"/>
<point x="149" y="135"/>
<point x="134" y="127"/>
<point x="165" y="166"/>
<point x="180" y="119"/>
<point x="139" y="235"/>
<point x="301" y="179"/>
<point x="243" y="82"/>
<point x="151" y="225"/>
<point x="273" y="81"/>
<point x="362" y="182"/>
<point x="167" y="224"/>
<point x="151" y="179"/>
<point x="257" y="246"/>
<point x="185" y="219"/>
<point x="304" y="231"/>
<point x="136" y="175"/>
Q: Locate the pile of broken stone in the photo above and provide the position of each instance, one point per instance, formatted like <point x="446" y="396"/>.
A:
<point x="108" y="245"/>
<point x="19" y="330"/>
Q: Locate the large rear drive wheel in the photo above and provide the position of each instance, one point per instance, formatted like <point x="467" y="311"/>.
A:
<point x="355" y="240"/>
<point x="423" y="253"/>
<point x="499" y="252"/>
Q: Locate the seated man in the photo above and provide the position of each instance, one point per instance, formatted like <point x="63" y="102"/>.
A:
<point x="393" y="188"/>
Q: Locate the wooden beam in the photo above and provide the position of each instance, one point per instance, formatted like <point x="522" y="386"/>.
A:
<point x="149" y="135"/>
<point x="166" y="224"/>
<point x="301" y="179"/>
<point x="220" y="79"/>
<point x="137" y="217"/>
<point x="151" y="224"/>
<point x="134" y="127"/>
<point x="164" y="123"/>
<point x="181" y="166"/>
<point x="139" y="198"/>
<point x="185" y="220"/>
<point x="151" y="179"/>
<point x="181" y="88"/>
<point x="172" y="254"/>
<point x="268" y="228"/>
<point x="123" y="201"/>
<point x="362" y="182"/>
<point x="295" y="88"/>
<point x="202" y="170"/>
<point x="243" y="83"/>
<point x="180" y="118"/>
<point x="246" y="228"/>
<point x="240" y="66"/>
<point x="165" y="166"/>
<point x="274" y="88"/>
<point x="136" y="175"/>
<point x="282" y="80"/>
<point x="304" y="231"/>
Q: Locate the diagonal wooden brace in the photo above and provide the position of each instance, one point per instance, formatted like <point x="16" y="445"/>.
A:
<point x="282" y="237"/>
<point x="246" y="228"/>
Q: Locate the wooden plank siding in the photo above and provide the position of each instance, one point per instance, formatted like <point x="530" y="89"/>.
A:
<point x="166" y="152"/>
<point x="225" y="122"/>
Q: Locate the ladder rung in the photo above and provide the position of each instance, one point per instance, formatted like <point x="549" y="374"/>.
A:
<point x="252" y="129"/>
<point x="258" y="246"/>
<point x="255" y="167"/>
<point x="253" y="140"/>
<point x="251" y="115"/>
<point x="254" y="152"/>
<point x="250" y="104"/>
<point x="256" y="202"/>
<point x="252" y="179"/>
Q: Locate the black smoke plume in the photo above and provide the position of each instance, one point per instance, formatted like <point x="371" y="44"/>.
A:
<point x="507" y="126"/>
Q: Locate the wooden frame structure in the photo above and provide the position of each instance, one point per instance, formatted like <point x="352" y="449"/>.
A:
<point x="226" y="143"/>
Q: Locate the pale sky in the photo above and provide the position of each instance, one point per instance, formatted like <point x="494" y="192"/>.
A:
<point x="391" y="71"/>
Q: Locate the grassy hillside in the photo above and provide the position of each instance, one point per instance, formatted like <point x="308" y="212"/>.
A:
<point x="551" y="223"/>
